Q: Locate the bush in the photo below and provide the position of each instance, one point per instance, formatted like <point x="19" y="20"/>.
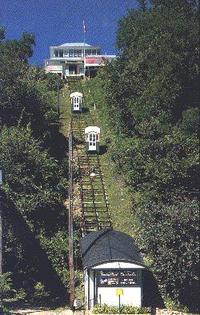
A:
<point x="124" y="309"/>
<point x="5" y="284"/>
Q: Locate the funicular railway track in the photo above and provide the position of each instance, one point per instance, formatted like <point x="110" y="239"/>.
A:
<point x="95" y="214"/>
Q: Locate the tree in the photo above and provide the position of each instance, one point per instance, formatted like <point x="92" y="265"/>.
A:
<point x="36" y="174"/>
<point x="152" y="104"/>
<point x="172" y="246"/>
<point x="27" y="95"/>
<point x="35" y="183"/>
<point x="2" y="33"/>
<point x="142" y="4"/>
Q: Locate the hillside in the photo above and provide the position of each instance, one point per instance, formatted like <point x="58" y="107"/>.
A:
<point x="146" y="182"/>
<point x="150" y="113"/>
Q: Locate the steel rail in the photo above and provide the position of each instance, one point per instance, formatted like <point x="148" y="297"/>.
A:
<point x="94" y="209"/>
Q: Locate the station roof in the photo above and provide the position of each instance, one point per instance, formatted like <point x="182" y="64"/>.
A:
<point x="77" y="45"/>
<point x="108" y="246"/>
<point x="74" y="44"/>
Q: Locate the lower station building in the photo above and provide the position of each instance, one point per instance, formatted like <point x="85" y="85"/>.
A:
<point x="113" y="266"/>
<point x="76" y="60"/>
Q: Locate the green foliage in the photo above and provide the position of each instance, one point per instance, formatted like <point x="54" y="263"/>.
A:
<point x="173" y="245"/>
<point x="20" y="294"/>
<point x="124" y="309"/>
<point x="27" y="93"/>
<point x="151" y="105"/>
<point x="35" y="181"/>
<point x="2" y="33"/>
<point x="21" y="49"/>
<point x="57" y="249"/>
<point x="40" y="291"/>
<point x="33" y="178"/>
<point x="171" y="305"/>
<point x="6" y="285"/>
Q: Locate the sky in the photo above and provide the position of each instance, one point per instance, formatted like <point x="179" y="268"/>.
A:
<point x="54" y="22"/>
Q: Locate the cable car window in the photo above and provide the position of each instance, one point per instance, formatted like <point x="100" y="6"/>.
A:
<point x="94" y="139"/>
<point x="118" y="278"/>
<point x="90" y="136"/>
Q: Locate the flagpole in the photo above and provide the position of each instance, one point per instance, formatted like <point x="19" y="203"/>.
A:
<point x="84" y="62"/>
<point x="84" y="55"/>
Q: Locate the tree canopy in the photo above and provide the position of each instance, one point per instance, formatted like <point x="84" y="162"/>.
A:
<point x="35" y="177"/>
<point x="152" y="104"/>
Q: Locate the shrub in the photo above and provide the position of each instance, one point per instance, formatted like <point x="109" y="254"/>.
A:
<point x="124" y="309"/>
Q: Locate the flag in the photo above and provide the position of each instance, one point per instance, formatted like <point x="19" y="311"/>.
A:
<point x="84" y="27"/>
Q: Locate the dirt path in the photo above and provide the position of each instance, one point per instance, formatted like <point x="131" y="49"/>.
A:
<point x="41" y="312"/>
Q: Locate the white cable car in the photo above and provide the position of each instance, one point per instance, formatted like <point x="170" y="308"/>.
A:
<point x="92" y="137"/>
<point x="76" y="101"/>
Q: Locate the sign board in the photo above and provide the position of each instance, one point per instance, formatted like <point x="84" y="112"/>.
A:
<point x="54" y="68"/>
<point x="119" y="292"/>
<point x="94" y="60"/>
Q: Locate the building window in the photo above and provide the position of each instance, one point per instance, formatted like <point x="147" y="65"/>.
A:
<point x="112" y="278"/>
<point x="72" y="69"/>
<point x="88" y="52"/>
<point x="66" y="52"/>
<point x="55" y="53"/>
<point x="77" y="53"/>
<point x="60" y="53"/>
<point x="71" y="53"/>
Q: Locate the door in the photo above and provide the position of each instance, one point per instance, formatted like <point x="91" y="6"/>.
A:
<point x="92" y="142"/>
<point x="72" y="69"/>
<point x="76" y="103"/>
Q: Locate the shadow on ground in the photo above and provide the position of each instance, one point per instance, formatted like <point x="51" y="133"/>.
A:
<point x="35" y="256"/>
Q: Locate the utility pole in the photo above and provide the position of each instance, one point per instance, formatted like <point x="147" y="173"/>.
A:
<point x="70" y="223"/>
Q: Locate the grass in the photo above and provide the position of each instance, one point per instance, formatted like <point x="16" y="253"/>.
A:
<point x="65" y="110"/>
<point x="118" y="194"/>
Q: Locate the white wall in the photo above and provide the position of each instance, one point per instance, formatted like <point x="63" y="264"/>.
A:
<point x="132" y="296"/>
<point x="86" y="287"/>
<point x="91" y="289"/>
<point x="118" y="265"/>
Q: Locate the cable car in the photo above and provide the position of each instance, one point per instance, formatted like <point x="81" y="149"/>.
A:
<point x="92" y="137"/>
<point x="76" y="101"/>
